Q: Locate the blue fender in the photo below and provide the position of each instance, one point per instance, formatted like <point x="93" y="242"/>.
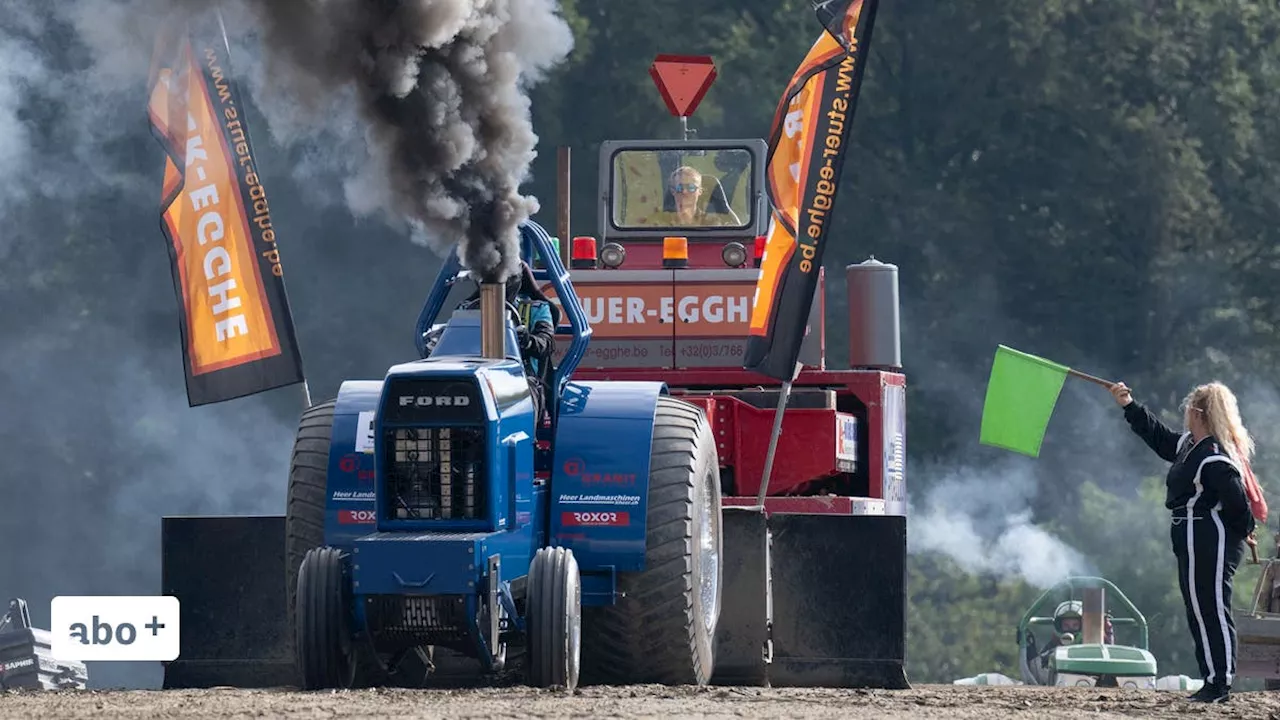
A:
<point x="349" y="503"/>
<point x="600" y="474"/>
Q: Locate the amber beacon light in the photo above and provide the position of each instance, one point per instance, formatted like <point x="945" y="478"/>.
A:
<point x="675" y="252"/>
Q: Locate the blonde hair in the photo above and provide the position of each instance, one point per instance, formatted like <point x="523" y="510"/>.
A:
<point x="1217" y="405"/>
<point x="694" y="176"/>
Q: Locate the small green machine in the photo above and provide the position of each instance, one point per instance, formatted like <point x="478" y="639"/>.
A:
<point x="1068" y="638"/>
<point x="1076" y="645"/>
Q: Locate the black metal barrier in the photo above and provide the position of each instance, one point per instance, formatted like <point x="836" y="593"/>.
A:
<point x="742" y="635"/>
<point x="827" y="592"/>
<point x="228" y="574"/>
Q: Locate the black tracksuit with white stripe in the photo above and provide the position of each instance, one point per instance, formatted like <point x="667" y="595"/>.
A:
<point x="1211" y="518"/>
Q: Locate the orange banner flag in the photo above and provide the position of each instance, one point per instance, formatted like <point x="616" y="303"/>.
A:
<point x="807" y="148"/>
<point x="237" y="330"/>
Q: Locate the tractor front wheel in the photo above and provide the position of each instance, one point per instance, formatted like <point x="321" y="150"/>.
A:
<point x="323" y="640"/>
<point x="304" y="519"/>
<point x="554" y="619"/>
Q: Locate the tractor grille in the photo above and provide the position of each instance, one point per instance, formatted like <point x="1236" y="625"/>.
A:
<point x="435" y="473"/>
<point x="437" y="619"/>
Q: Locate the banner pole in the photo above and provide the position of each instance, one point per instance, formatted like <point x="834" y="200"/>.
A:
<point x="306" y="395"/>
<point x="773" y="437"/>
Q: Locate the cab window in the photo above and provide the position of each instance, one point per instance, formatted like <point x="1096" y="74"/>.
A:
<point x="685" y="188"/>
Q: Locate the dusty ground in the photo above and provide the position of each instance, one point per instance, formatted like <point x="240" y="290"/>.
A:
<point x="926" y="701"/>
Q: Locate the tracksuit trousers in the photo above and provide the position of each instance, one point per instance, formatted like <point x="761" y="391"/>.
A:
<point x="1207" y="558"/>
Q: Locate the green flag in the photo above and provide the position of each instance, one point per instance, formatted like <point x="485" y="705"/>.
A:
<point x="1020" y="397"/>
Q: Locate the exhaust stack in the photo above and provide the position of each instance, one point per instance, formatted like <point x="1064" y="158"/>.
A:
<point x="493" y="326"/>
<point x="1095" y="610"/>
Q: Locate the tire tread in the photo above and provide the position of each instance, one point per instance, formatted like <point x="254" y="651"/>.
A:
<point x="651" y="636"/>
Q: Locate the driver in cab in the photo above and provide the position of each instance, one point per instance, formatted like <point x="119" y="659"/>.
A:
<point x="685" y="186"/>
<point x="1068" y="625"/>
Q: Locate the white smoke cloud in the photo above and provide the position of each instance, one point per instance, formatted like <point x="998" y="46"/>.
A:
<point x="981" y="518"/>
<point x="20" y="67"/>
<point x="102" y="443"/>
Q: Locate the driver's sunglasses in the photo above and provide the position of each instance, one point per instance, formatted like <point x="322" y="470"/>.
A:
<point x="685" y="187"/>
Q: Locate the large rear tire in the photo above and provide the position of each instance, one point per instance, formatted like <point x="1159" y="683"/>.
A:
<point x="663" y="630"/>
<point x="304" y="518"/>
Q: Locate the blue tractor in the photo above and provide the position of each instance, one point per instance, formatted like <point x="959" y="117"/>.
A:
<point x="421" y="515"/>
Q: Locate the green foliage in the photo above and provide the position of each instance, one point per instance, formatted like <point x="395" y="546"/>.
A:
<point x="959" y="624"/>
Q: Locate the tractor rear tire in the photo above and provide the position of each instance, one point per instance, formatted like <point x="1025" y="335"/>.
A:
<point x="323" y="638"/>
<point x="554" y="619"/>
<point x="663" y="629"/>
<point x="304" y="518"/>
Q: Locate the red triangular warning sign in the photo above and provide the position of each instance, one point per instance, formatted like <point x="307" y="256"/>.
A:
<point x="683" y="80"/>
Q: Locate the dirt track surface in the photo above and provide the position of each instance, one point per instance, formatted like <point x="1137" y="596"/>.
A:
<point x="926" y="701"/>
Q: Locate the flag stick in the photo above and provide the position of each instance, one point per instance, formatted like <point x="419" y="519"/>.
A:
<point x="1090" y="378"/>
<point x="773" y="438"/>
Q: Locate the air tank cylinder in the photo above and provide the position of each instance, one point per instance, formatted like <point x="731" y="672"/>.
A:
<point x="874" y="337"/>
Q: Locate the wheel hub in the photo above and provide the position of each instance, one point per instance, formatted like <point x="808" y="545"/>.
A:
<point x="709" y="556"/>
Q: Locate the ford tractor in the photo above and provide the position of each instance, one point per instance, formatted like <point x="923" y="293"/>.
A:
<point x="432" y="522"/>
<point x="458" y="547"/>
<point x="451" y="541"/>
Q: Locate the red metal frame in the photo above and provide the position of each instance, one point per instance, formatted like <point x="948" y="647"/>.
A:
<point x="807" y="442"/>
<point x="807" y="439"/>
<point x="815" y="505"/>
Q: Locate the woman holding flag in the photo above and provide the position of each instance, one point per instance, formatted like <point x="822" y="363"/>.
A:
<point x="1214" y="497"/>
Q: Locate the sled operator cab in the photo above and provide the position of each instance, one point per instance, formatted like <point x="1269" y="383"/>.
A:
<point x="669" y="276"/>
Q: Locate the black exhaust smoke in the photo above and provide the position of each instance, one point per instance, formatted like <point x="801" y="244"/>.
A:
<point x="441" y="87"/>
